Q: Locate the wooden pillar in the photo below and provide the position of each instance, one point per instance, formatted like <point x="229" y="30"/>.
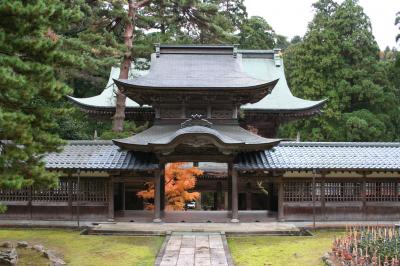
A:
<point x="162" y="191"/>
<point x="281" y="191"/>
<point x="364" y="196"/>
<point x="123" y="197"/>
<point x="235" y="195"/>
<point x="157" y="196"/>
<point x="111" y="199"/>
<point x="215" y="200"/>
<point x="229" y="187"/>
<point x="226" y="199"/>
<point x="78" y="200"/>
<point x="323" y="210"/>
<point x="248" y="196"/>
<point x="314" y="198"/>
<point x="219" y="195"/>
<point x="70" y="194"/>
<point x="30" y="202"/>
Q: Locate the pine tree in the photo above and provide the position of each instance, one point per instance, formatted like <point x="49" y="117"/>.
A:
<point x="96" y="38"/>
<point x="397" y="23"/>
<point x="256" y="33"/>
<point x="133" y="6"/>
<point x="188" y="21"/>
<point x="338" y="59"/>
<point x="33" y="58"/>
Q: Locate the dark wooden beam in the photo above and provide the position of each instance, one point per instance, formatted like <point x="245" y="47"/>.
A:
<point x="281" y="213"/>
<point x="219" y="195"/>
<point x="248" y="196"/>
<point x="162" y="189"/>
<point x="229" y="187"/>
<point x="235" y="195"/>
<point x="323" y="209"/>
<point x="111" y="199"/>
<point x="364" y="196"/>
<point x="157" y="196"/>
<point x="123" y="196"/>
<point x="70" y="192"/>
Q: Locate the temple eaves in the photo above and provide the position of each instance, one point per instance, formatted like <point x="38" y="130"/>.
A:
<point x="227" y="139"/>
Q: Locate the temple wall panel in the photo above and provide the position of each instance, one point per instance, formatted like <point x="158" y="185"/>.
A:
<point x="342" y="199"/>
<point x="89" y="200"/>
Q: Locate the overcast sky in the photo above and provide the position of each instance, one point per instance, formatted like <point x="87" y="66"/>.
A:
<point x="291" y="17"/>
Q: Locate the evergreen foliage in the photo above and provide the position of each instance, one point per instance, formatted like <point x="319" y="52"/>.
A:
<point x="338" y="59"/>
<point x="97" y="39"/>
<point x="256" y="33"/>
<point x="397" y="23"/>
<point x="130" y="129"/>
<point x="188" y="22"/>
<point x="33" y="59"/>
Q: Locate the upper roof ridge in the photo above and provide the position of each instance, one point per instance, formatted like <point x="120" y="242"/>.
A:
<point x="90" y="142"/>
<point x="340" y="144"/>
<point x="203" y="49"/>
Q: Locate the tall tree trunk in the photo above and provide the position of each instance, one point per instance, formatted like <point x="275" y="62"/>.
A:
<point x="119" y="116"/>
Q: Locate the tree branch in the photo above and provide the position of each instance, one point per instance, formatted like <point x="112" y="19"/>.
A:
<point x="142" y="3"/>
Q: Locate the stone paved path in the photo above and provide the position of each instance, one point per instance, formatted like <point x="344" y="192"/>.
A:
<point x="194" y="249"/>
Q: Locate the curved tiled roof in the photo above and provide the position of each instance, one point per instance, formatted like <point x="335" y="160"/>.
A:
<point x="260" y="65"/>
<point x="194" y="71"/>
<point x="281" y="98"/>
<point x="107" y="98"/>
<point x="103" y="155"/>
<point x="324" y="155"/>
<point x="227" y="135"/>
<point x="99" y="155"/>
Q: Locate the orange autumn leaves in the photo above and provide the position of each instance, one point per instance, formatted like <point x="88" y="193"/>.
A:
<point x="179" y="179"/>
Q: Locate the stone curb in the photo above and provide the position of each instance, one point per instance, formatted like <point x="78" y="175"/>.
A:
<point x="228" y="255"/>
<point x="161" y="252"/>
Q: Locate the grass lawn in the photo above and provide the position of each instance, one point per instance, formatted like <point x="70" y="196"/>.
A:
<point x="281" y="250"/>
<point x="78" y="249"/>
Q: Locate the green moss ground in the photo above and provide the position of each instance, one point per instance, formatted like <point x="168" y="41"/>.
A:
<point x="281" y="250"/>
<point x="88" y="250"/>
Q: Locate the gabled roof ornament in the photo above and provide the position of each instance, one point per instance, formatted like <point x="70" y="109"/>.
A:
<point x="196" y="120"/>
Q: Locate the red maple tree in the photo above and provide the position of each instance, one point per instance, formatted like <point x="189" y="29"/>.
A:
<point x="179" y="179"/>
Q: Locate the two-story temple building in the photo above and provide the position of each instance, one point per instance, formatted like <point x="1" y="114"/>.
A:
<point x="219" y="108"/>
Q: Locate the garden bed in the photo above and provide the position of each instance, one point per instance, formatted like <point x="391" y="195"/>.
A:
<point x="282" y="250"/>
<point x="79" y="249"/>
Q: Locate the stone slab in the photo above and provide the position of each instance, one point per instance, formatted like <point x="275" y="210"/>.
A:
<point x="194" y="249"/>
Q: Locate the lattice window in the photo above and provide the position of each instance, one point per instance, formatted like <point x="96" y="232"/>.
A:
<point x="342" y="191"/>
<point x="91" y="190"/>
<point x="382" y="191"/>
<point x="297" y="191"/>
<point x="58" y="194"/>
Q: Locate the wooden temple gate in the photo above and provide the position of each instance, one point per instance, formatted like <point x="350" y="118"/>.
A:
<point x="195" y="94"/>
